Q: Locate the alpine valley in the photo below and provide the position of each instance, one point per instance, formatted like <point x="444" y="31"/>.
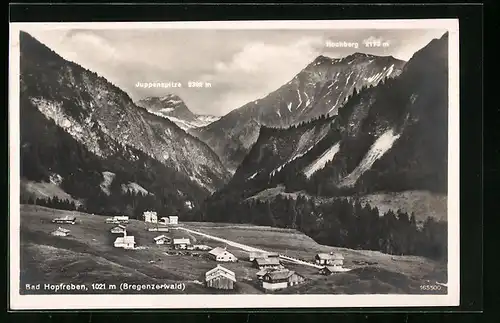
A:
<point x="351" y="152"/>
<point x="84" y="139"/>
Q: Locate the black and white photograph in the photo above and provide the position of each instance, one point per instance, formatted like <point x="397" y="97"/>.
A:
<point x="234" y="164"/>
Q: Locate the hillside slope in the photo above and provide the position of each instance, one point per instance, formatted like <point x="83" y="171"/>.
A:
<point x="103" y="118"/>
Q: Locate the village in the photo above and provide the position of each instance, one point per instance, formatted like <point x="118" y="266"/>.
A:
<point x="271" y="272"/>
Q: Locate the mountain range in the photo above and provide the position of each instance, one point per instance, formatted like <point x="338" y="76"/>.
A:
<point x="319" y="89"/>
<point x="391" y="137"/>
<point x="173" y="108"/>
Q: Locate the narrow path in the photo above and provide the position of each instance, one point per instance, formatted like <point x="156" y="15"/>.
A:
<point x="248" y="248"/>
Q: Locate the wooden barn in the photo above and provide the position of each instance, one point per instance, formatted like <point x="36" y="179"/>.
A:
<point x="162" y="239"/>
<point x="280" y="279"/>
<point x="60" y="232"/>
<point x="65" y="220"/>
<point x="266" y="263"/>
<point x="329" y="259"/>
<point x="119" y="229"/>
<point x="222" y="255"/>
<point x="220" y="278"/>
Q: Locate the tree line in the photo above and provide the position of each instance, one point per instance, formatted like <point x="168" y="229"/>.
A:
<point x="341" y="222"/>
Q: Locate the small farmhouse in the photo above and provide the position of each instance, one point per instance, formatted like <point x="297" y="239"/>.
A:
<point x="60" y="232"/>
<point x="220" y="278"/>
<point x="126" y="242"/>
<point x="65" y="220"/>
<point x="173" y="219"/>
<point x="181" y="243"/>
<point x="222" y="255"/>
<point x="280" y="279"/>
<point x="265" y="263"/>
<point x="330" y="259"/>
<point x="119" y="229"/>
<point x="150" y="216"/>
<point x="162" y="239"/>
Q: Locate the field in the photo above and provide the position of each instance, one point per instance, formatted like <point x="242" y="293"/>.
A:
<point x="87" y="256"/>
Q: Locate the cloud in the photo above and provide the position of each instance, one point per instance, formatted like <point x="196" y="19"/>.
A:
<point x="259" y="68"/>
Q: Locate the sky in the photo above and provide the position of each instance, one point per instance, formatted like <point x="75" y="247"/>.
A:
<point x="234" y="66"/>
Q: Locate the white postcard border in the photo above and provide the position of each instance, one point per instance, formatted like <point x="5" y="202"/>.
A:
<point x="40" y="302"/>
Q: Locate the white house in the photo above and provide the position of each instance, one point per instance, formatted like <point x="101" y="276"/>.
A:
<point x="162" y="239"/>
<point x="181" y="243"/>
<point x="330" y="259"/>
<point x="119" y="229"/>
<point x="150" y="216"/>
<point x="173" y="219"/>
<point x="60" y="232"/>
<point x="126" y="242"/>
<point x="222" y="255"/>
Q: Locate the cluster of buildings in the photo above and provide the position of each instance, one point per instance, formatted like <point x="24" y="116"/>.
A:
<point x="271" y="274"/>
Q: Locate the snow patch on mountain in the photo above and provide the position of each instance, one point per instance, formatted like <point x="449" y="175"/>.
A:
<point x="252" y="176"/>
<point x="377" y="150"/>
<point x="319" y="163"/>
<point x="166" y="110"/>
<point x="108" y="178"/>
<point x="134" y="187"/>
<point x="289" y="106"/>
<point x="300" y="99"/>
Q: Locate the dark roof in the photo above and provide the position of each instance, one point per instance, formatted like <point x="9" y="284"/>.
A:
<point x="279" y="274"/>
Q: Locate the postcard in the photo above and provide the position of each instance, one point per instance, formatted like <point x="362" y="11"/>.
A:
<point x="236" y="164"/>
